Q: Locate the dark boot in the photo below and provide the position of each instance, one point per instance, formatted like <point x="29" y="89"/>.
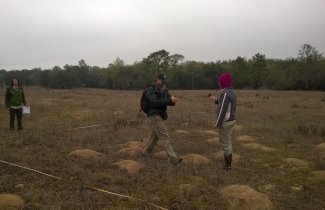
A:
<point x="228" y="160"/>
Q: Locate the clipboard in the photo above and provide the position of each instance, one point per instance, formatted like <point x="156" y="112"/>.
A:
<point x="26" y="109"/>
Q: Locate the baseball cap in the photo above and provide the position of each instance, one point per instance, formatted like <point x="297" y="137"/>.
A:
<point x="162" y="76"/>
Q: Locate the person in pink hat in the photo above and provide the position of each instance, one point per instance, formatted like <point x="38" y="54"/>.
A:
<point x="226" y="119"/>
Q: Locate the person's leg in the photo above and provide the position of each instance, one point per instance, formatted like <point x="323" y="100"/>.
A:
<point x="226" y="142"/>
<point x="164" y="140"/>
<point x="152" y="139"/>
<point x="12" y="118"/>
<point x="19" y="113"/>
<point x="163" y="136"/>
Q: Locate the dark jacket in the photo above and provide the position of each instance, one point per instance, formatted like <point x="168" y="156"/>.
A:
<point x="15" y="97"/>
<point x="226" y="106"/>
<point x="158" y="101"/>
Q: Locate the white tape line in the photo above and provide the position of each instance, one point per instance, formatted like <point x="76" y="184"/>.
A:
<point x="87" y="186"/>
<point x="89" y="126"/>
<point x="30" y="169"/>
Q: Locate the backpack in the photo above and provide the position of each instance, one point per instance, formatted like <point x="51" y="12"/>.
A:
<point x="144" y="102"/>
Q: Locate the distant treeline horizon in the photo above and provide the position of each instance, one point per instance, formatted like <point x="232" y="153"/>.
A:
<point x="304" y="72"/>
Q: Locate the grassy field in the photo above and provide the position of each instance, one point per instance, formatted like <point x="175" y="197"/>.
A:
<point x="278" y="142"/>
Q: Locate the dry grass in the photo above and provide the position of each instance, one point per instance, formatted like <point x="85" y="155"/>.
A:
<point x="293" y="123"/>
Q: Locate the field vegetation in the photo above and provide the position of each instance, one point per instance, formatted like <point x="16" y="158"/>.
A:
<point x="279" y="146"/>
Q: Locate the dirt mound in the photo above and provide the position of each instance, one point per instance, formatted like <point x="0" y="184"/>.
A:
<point x="119" y="117"/>
<point x="161" y="154"/>
<point x="244" y="197"/>
<point x="220" y="156"/>
<point x="130" y="151"/>
<point x="245" y="138"/>
<point x="208" y="132"/>
<point x="85" y="153"/>
<point x="213" y="140"/>
<point x="256" y="146"/>
<point x="238" y="127"/>
<point x="187" y="190"/>
<point x="130" y="166"/>
<point x="321" y="148"/>
<point x="195" y="159"/>
<point x="295" y="164"/>
<point x="133" y="148"/>
<point x="317" y="176"/>
<point x="10" y="201"/>
<point x="134" y="144"/>
<point x="181" y="132"/>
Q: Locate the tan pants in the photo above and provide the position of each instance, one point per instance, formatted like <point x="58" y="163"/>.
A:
<point x="159" y="131"/>
<point x="225" y="133"/>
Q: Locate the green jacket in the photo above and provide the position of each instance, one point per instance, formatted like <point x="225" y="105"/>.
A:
<point x="158" y="101"/>
<point x="15" y="97"/>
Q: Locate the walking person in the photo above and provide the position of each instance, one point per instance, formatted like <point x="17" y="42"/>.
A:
<point x="226" y="120"/>
<point x="15" y="99"/>
<point x="158" y="100"/>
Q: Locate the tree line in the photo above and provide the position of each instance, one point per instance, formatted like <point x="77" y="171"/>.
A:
<point x="304" y="72"/>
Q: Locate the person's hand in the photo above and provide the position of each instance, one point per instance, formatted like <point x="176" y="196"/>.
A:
<point x="212" y="98"/>
<point x="174" y="99"/>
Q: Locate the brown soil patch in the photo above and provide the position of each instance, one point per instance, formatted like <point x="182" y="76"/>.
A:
<point x="134" y="144"/>
<point x="10" y="201"/>
<point x="321" y="148"/>
<point x="195" y="159"/>
<point x="244" y="197"/>
<point x="317" y="176"/>
<point x="208" y="132"/>
<point x="130" y="151"/>
<point x="220" y="156"/>
<point x="161" y="154"/>
<point x="181" y="132"/>
<point x="85" y="153"/>
<point x="245" y="138"/>
<point x="119" y="117"/>
<point x="213" y="140"/>
<point x="187" y="189"/>
<point x="295" y="164"/>
<point x="238" y="127"/>
<point x="133" y="148"/>
<point x="256" y="146"/>
<point x="130" y="166"/>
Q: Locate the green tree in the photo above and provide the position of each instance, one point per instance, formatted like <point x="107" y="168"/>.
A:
<point x="157" y="61"/>
<point x="259" y="71"/>
<point x="307" y="70"/>
<point x="240" y="72"/>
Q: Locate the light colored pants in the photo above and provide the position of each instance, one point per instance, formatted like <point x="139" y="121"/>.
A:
<point x="225" y="132"/>
<point x="159" y="131"/>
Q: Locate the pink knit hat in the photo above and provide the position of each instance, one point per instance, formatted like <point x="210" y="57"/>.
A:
<point x="225" y="80"/>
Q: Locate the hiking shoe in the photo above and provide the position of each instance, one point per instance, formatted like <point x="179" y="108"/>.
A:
<point x="175" y="161"/>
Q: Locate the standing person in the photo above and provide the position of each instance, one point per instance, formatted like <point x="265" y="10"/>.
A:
<point x="15" y="99"/>
<point x="226" y="116"/>
<point x="158" y="100"/>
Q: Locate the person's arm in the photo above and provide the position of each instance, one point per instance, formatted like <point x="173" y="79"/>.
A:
<point x="223" y="106"/>
<point x="171" y="102"/>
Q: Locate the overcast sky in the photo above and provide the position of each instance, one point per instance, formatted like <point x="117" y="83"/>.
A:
<point x="46" y="33"/>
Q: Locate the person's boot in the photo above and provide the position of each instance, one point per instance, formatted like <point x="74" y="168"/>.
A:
<point x="228" y="160"/>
